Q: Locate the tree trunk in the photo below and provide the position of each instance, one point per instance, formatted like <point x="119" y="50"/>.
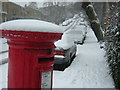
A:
<point x="97" y="30"/>
<point x="94" y="21"/>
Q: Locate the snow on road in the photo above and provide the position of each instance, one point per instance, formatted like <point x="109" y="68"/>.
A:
<point x="88" y="70"/>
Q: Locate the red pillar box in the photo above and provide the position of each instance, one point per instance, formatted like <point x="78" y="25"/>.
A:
<point x="31" y="52"/>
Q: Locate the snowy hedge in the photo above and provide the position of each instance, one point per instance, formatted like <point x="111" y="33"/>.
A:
<point x="112" y="35"/>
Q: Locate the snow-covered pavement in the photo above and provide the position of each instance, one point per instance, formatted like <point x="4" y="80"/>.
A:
<point x="3" y="75"/>
<point x="88" y="70"/>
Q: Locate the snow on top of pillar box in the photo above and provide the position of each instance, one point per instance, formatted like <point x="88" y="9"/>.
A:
<point x="31" y="25"/>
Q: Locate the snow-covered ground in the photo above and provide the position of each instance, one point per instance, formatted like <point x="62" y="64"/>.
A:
<point x="3" y="76"/>
<point x="3" y="42"/>
<point x="3" y="49"/>
<point x="88" y="70"/>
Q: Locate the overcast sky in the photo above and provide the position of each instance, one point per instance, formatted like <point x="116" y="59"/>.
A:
<point x="40" y="2"/>
<point x="22" y="2"/>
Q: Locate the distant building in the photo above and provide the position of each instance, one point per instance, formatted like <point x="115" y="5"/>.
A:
<point x="15" y="11"/>
<point x="2" y="12"/>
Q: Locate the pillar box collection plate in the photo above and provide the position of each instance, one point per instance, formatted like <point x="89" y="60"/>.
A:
<point x="31" y="52"/>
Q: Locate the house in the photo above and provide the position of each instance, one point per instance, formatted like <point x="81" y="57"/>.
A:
<point x="15" y="11"/>
<point x="2" y="12"/>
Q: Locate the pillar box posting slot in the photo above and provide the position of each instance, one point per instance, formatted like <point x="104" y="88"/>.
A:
<point x="31" y="52"/>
